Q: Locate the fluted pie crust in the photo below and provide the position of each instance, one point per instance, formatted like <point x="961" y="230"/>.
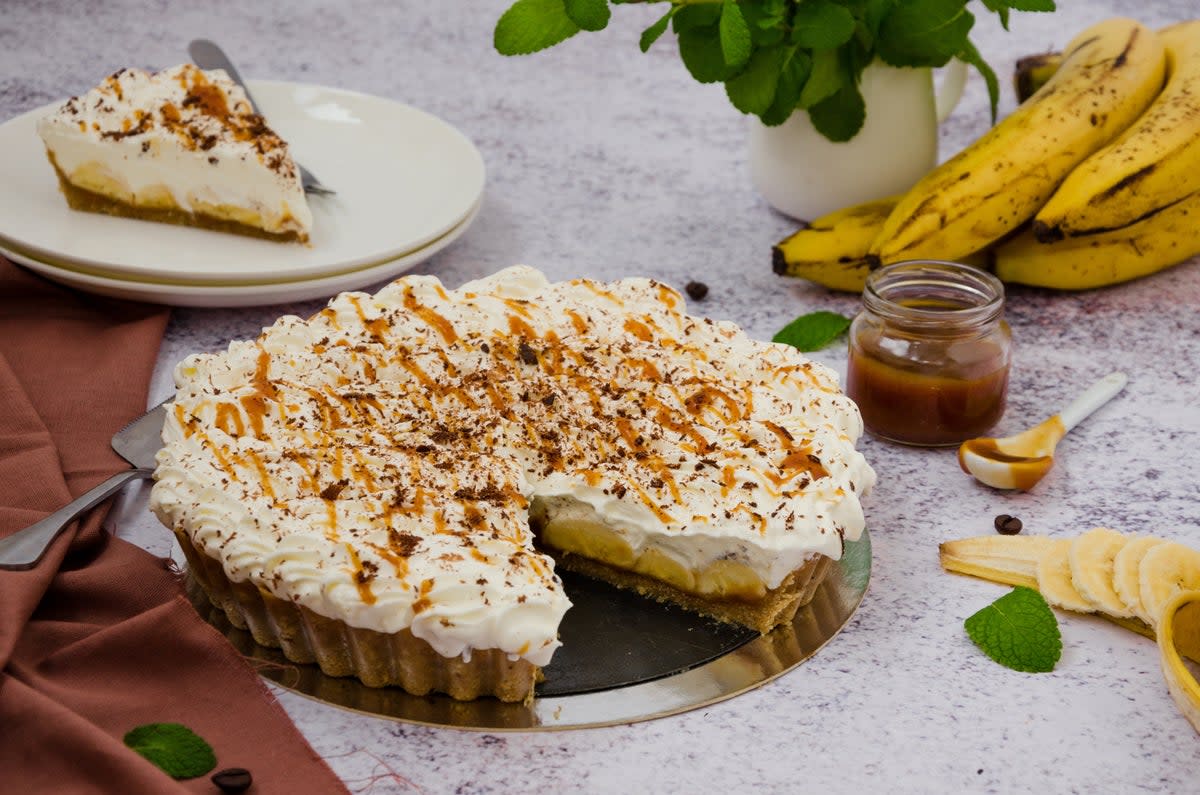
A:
<point x="406" y="661"/>
<point x="377" y="659"/>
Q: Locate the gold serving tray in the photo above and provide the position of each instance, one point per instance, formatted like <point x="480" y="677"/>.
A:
<point x="707" y="662"/>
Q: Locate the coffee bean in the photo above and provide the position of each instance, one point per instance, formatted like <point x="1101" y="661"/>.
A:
<point x="696" y="290"/>
<point x="1008" y="525"/>
<point x="232" y="779"/>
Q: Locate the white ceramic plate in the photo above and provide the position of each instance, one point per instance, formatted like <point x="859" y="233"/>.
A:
<point x="234" y="295"/>
<point x="403" y="178"/>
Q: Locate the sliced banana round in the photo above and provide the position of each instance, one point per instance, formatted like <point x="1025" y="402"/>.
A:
<point x="1054" y="579"/>
<point x="1091" y="558"/>
<point x="1167" y="569"/>
<point x="1126" y="581"/>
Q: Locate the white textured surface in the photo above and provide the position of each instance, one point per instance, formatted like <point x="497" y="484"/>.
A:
<point x="607" y="163"/>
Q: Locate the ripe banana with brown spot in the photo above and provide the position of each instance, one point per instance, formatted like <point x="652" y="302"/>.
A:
<point x="1110" y="73"/>
<point x="1033" y="71"/>
<point x="1149" y="168"/>
<point x="832" y="250"/>
<point x="1080" y="263"/>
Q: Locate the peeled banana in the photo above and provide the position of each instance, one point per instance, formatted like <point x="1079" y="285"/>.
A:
<point x="1084" y="574"/>
<point x="1149" y="168"/>
<point x="1091" y="573"/>
<point x="1012" y="560"/>
<point x="1110" y="73"/>
<point x="832" y="250"/>
<point x="1091" y="559"/>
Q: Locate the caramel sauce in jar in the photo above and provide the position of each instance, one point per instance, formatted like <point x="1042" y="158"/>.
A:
<point x="930" y="353"/>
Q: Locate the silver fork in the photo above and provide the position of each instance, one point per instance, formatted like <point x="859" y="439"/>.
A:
<point x="207" y="55"/>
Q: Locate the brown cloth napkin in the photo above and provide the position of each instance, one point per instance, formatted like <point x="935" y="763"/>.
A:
<point x="99" y="637"/>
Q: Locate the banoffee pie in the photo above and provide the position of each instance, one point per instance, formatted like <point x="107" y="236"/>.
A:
<point x="386" y="487"/>
<point x="180" y="146"/>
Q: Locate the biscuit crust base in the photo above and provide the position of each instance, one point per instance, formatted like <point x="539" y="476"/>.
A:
<point x="89" y="201"/>
<point x="376" y="658"/>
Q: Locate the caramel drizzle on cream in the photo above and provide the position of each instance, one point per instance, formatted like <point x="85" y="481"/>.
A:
<point x="571" y="404"/>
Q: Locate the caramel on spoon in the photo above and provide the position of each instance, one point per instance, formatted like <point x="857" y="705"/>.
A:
<point x="1020" y="461"/>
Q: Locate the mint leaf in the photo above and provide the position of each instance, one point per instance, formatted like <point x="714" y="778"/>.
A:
<point x="173" y="747"/>
<point x="766" y="21"/>
<point x="700" y="50"/>
<point x="1001" y="9"/>
<point x="532" y="25"/>
<point x="971" y="55"/>
<point x="840" y="116"/>
<point x="735" y="35"/>
<point x="792" y="76"/>
<point x="813" y="331"/>
<point x="588" y="14"/>
<point x="652" y="33"/>
<point x="873" y="15"/>
<point x="753" y="90"/>
<point x="824" y="80"/>
<point x="822" y="25"/>
<point x="696" y="16"/>
<point x="924" y="32"/>
<point x="1019" y="631"/>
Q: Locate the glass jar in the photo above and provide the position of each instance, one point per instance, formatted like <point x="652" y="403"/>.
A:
<point x="930" y="353"/>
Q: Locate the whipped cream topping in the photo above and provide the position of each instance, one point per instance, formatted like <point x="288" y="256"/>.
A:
<point x="376" y="461"/>
<point x="190" y="132"/>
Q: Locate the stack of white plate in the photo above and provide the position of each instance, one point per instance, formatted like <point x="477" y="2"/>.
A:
<point x="408" y="184"/>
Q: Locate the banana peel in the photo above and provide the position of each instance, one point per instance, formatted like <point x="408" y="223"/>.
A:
<point x="1179" y="637"/>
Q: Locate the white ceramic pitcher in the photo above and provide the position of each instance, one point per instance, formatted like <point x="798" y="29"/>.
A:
<point x="805" y="175"/>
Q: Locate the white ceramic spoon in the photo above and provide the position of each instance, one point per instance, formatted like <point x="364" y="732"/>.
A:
<point x="1020" y="461"/>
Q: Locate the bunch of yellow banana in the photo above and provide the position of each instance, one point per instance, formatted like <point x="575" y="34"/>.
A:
<point x="1094" y="180"/>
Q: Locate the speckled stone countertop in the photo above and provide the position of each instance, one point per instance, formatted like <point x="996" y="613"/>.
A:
<point x="603" y="162"/>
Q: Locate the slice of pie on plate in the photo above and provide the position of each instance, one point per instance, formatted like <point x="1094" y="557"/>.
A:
<point x="180" y="146"/>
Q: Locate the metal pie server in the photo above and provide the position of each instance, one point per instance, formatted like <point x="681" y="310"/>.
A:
<point x="137" y="443"/>
<point x="207" y="55"/>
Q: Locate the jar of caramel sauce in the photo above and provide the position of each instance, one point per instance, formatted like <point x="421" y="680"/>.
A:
<point x="930" y="353"/>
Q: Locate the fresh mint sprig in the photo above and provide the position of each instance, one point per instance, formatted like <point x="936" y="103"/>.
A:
<point x="779" y="56"/>
<point x="173" y="747"/>
<point x="813" y="331"/>
<point x="1019" y="631"/>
